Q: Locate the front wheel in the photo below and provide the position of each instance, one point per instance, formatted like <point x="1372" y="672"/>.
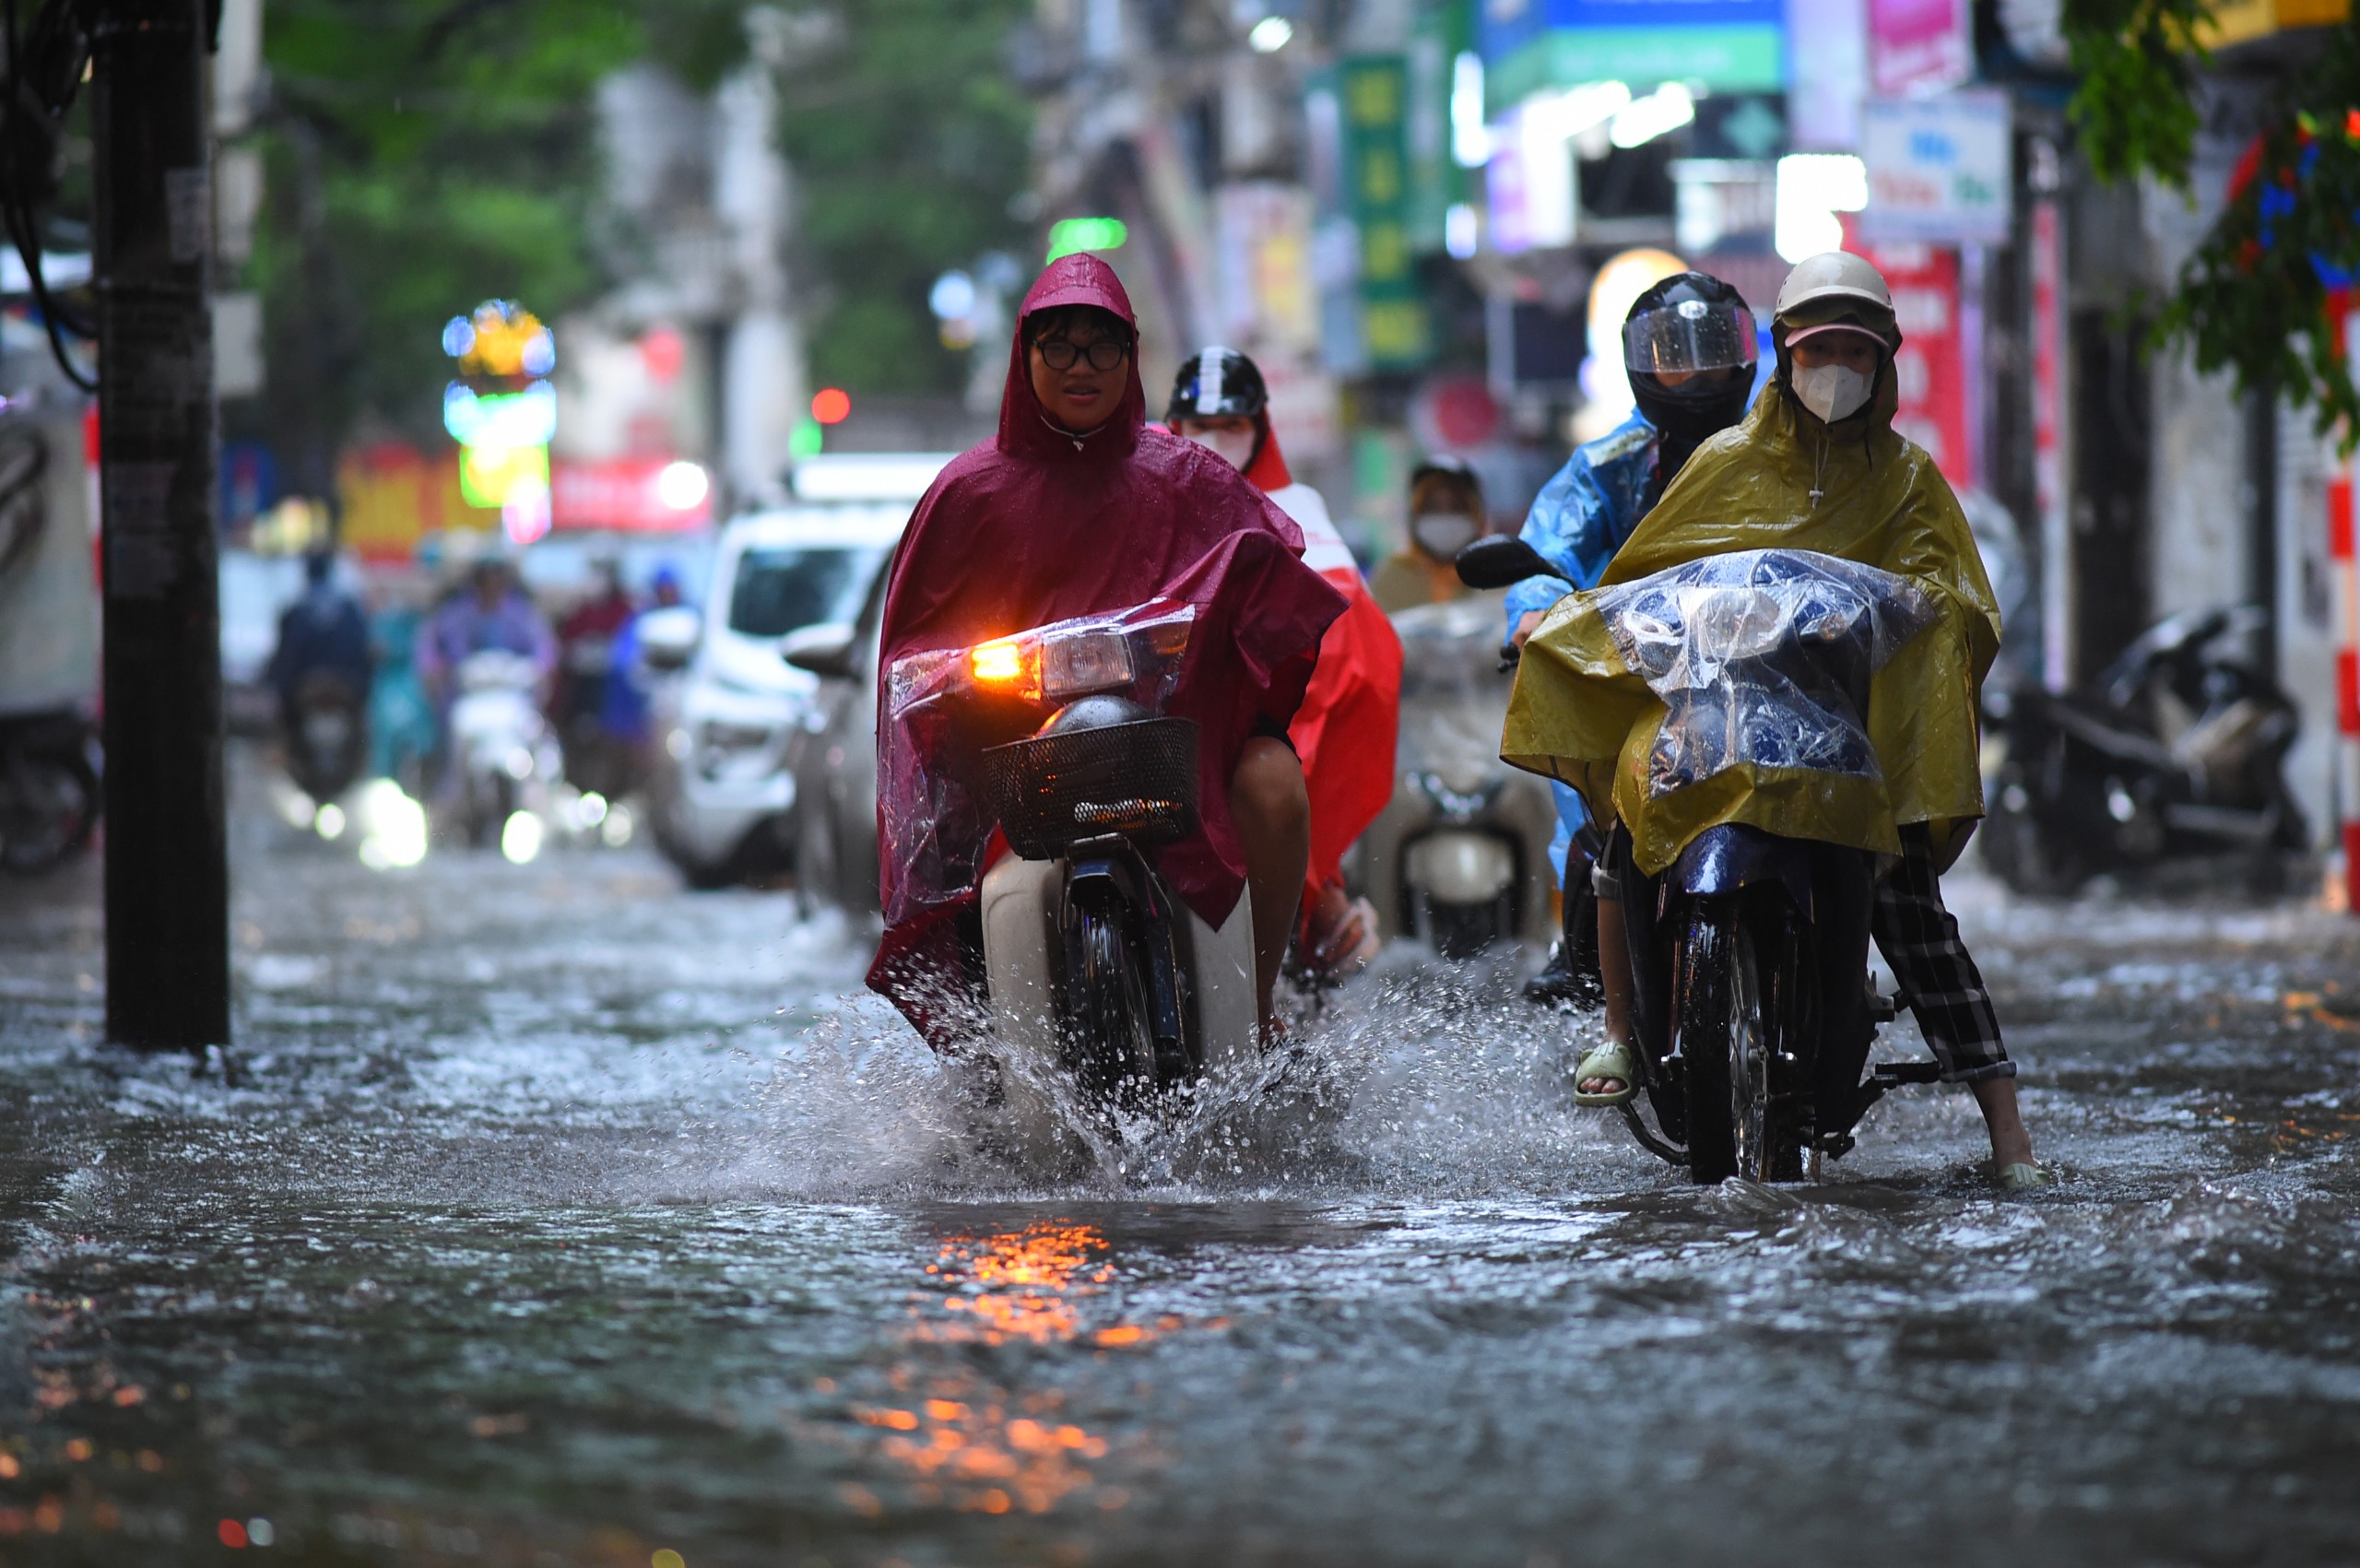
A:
<point x="1110" y="1045"/>
<point x="1724" y="1044"/>
<point x="49" y="803"/>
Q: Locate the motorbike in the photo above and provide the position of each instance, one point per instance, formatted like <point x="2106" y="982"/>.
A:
<point x="1459" y="858"/>
<point x="49" y="795"/>
<point x="500" y="742"/>
<point x="327" y="733"/>
<point x="1102" y="983"/>
<point x="2176" y="751"/>
<point x="1748" y="954"/>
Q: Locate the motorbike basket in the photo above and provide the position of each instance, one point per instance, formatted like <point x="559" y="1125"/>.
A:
<point x="1137" y="778"/>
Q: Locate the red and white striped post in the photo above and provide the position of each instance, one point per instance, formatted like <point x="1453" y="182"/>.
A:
<point x="2347" y="676"/>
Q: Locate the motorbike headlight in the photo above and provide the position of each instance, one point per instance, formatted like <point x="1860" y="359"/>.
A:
<point x="1085" y="662"/>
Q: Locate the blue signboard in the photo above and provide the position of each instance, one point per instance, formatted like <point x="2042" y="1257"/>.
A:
<point x="1729" y="45"/>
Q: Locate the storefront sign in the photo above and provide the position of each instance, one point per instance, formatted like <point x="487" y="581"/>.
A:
<point x="637" y="495"/>
<point x="1393" y="312"/>
<point x="1918" y="46"/>
<point x="1930" y="367"/>
<point x="2049" y="450"/>
<point x="1938" y="168"/>
<point x="1726" y="45"/>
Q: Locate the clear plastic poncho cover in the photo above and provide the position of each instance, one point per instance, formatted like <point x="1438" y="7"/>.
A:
<point x="1781" y="480"/>
<point x="942" y="700"/>
<point x="1761" y="658"/>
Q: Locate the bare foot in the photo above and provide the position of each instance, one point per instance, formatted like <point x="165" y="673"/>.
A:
<point x="2010" y="1144"/>
<point x="1341" y="937"/>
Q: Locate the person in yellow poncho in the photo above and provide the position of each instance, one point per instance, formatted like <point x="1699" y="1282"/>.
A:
<point x="1816" y="466"/>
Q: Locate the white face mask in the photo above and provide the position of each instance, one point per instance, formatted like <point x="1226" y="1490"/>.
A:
<point x="1831" y="391"/>
<point x="1236" y="447"/>
<point x="1443" y="533"/>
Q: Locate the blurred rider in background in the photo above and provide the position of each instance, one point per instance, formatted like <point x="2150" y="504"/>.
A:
<point x="624" y="714"/>
<point x="492" y="612"/>
<point x="1447" y="515"/>
<point x="1690" y="349"/>
<point x="1346" y="728"/>
<point x="323" y="636"/>
<point x="586" y="653"/>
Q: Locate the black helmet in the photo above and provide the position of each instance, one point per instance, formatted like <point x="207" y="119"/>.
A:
<point x="1217" y="383"/>
<point x="1688" y="347"/>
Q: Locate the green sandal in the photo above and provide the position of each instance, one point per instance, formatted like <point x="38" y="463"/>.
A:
<point x="1610" y="1060"/>
<point x="2019" y="1175"/>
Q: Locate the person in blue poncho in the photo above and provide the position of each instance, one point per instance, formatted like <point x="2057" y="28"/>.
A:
<point x="1690" y="347"/>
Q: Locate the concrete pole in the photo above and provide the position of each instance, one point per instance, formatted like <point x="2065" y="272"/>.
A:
<point x="167" y="871"/>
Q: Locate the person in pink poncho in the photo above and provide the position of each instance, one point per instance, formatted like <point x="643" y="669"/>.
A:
<point x="1078" y="508"/>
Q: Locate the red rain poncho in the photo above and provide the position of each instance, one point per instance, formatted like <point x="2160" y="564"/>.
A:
<point x="1348" y="726"/>
<point x="1036" y="526"/>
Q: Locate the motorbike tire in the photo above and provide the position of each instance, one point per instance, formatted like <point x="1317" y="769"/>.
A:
<point x="1462" y="931"/>
<point x="1724" y="1044"/>
<point x="2030" y="859"/>
<point x="1110" y="1044"/>
<point x="47" y="811"/>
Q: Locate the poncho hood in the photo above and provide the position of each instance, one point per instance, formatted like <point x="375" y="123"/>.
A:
<point x="1782" y="479"/>
<point x="1025" y="428"/>
<point x="1038" y="525"/>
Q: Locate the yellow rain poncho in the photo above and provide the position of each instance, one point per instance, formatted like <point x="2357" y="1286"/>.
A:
<point x="1581" y="715"/>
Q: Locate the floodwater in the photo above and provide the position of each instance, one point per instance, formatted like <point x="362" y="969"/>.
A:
<point x="549" y="1215"/>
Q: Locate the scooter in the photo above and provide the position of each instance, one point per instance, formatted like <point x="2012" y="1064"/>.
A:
<point x="326" y="735"/>
<point x="49" y="789"/>
<point x="1105" y="989"/>
<point x="1459" y="858"/>
<point x="1748" y="954"/>
<point x="500" y="742"/>
<point x="2178" y="751"/>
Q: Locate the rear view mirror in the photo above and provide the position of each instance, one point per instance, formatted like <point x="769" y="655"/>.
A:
<point x="824" y="650"/>
<point x="667" y="637"/>
<point x="1500" y="561"/>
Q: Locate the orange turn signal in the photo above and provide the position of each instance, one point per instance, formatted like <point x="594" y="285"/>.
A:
<point x="997" y="663"/>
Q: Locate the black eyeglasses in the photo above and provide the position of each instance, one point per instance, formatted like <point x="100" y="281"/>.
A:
<point x="1059" y="354"/>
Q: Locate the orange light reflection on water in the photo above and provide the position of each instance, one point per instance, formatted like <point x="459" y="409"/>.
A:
<point x="1025" y="1284"/>
<point x="969" y="1444"/>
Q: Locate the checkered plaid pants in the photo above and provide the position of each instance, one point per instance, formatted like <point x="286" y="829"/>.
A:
<point x="1920" y="940"/>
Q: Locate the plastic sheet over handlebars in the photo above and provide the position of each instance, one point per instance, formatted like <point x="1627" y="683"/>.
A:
<point x="1763" y="657"/>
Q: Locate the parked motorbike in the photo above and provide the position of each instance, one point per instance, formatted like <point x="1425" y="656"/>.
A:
<point x="1748" y="954"/>
<point x="1458" y="859"/>
<point x="2176" y="751"/>
<point x="500" y="742"/>
<point x="49" y="789"/>
<point x="1102" y="984"/>
<point x="327" y="733"/>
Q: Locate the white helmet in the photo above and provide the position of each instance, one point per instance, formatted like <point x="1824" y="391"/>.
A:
<point x="1832" y="278"/>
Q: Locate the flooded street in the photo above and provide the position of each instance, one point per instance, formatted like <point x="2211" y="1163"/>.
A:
<point x="550" y="1215"/>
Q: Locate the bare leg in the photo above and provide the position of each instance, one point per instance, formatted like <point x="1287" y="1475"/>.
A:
<point x="2011" y="1145"/>
<point x="1273" y="810"/>
<point x="1614" y="971"/>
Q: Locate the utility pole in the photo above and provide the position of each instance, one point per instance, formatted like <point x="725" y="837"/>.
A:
<point x="167" y="860"/>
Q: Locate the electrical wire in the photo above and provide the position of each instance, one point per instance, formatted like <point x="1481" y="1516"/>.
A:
<point x="16" y="210"/>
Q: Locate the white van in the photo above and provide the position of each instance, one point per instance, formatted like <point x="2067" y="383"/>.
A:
<point x="722" y="782"/>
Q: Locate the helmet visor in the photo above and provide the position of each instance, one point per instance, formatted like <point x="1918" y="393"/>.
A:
<point x="1688" y="336"/>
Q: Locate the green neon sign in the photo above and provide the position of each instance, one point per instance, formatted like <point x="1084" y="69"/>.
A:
<point x="1071" y="236"/>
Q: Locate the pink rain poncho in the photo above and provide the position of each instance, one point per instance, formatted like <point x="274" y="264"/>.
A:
<point x="1039" y="525"/>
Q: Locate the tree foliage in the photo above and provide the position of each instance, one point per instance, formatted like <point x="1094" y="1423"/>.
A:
<point x="908" y="142"/>
<point x="2264" y="294"/>
<point x="425" y="155"/>
<point x="422" y="156"/>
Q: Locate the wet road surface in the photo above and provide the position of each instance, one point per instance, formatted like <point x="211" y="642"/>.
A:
<point x="549" y="1215"/>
